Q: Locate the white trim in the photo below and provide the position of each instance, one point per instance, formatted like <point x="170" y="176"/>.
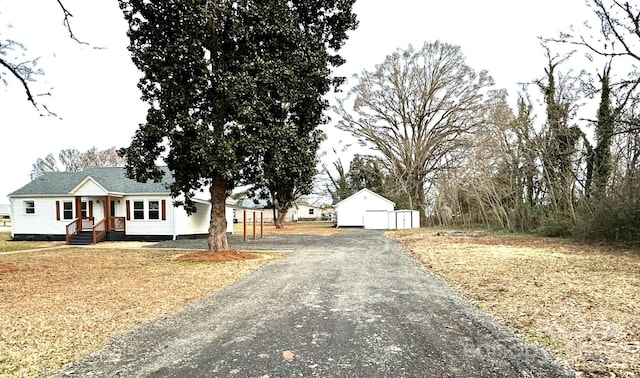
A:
<point x="84" y="182"/>
<point x="367" y="191"/>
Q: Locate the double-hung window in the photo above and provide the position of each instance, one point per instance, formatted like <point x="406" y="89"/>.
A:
<point x="138" y="209"/>
<point x="154" y="209"/>
<point x="67" y="210"/>
<point x="29" y="207"/>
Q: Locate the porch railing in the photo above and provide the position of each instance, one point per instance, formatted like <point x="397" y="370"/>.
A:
<point x="73" y="228"/>
<point x="99" y="230"/>
<point x="117" y="224"/>
<point x="87" y="223"/>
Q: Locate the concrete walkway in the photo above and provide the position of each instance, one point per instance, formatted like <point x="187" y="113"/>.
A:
<point x="348" y="305"/>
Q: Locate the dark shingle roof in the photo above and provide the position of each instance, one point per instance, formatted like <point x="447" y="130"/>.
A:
<point x="112" y="179"/>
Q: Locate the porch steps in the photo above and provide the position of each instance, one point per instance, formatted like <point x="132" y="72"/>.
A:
<point x="83" y="238"/>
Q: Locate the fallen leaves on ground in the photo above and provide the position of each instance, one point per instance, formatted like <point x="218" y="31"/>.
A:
<point x="6" y="267"/>
<point x="580" y="302"/>
<point x="222" y="256"/>
<point x="59" y="305"/>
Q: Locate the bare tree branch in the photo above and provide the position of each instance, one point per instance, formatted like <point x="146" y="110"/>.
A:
<point x="23" y="77"/>
<point x="67" y="24"/>
<point x="22" y="80"/>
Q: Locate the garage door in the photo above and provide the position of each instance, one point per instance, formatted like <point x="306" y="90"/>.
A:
<point x="376" y="220"/>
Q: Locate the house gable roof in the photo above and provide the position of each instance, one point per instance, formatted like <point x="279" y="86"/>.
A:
<point x="113" y="180"/>
<point x="362" y="192"/>
<point x="88" y="182"/>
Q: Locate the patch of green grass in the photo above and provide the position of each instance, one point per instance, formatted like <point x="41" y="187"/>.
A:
<point x="544" y="340"/>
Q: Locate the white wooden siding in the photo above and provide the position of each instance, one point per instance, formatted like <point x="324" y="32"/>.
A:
<point x="198" y="223"/>
<point x="43" y="221"/>
<point x="148" y="226"/>
<point x="351" y="211"/>
<point x="90" y="188"/>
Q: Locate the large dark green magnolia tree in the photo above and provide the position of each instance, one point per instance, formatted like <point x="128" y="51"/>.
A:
<point x="287" y="169"/>
<point x="299" y="52"/>
<point x="221" y="79"/>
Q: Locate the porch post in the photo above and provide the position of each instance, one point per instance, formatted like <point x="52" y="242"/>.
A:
<point x="79" y="208"/>
<point x="107" y="211"/>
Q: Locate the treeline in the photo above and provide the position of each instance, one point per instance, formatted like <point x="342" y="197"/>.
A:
<point x="449" y="144"/>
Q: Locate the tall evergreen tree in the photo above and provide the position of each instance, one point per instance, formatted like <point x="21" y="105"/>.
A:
<point x="300" y="52"/>
<point x="366" y="172"/>
<point x="214" y="76"/>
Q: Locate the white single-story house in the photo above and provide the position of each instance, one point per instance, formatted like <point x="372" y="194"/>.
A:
<point x="370" y="210"/>
<point x="239" y="213"/>
<point x="103" y="204"/>
<point x="5" y="214"/>
<point x="301" y="211"/>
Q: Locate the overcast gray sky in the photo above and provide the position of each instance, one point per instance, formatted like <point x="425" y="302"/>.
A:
<point x="94" y="93"/>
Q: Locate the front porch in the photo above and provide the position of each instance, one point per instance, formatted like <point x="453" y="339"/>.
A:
<point x="85" y="229"/>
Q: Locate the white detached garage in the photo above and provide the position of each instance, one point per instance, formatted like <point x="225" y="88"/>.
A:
<point x="364" y="209"/>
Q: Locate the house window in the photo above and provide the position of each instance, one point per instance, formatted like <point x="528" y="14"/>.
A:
<point x="67" y="210"/>
<point x="311" y="211"/>
<point x="29" y="207"/>
<point x="138" y="210"/>
<point x="84" y="209"/>
<point x="154" y="210"/>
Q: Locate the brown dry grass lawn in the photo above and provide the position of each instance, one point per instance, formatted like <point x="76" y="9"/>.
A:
<point x="61" y="304"/>
<point x="580" y="302"/>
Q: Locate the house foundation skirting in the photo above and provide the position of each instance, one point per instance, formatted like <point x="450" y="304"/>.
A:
<point x="40" y="237"/>
<point x="110" y="236"/>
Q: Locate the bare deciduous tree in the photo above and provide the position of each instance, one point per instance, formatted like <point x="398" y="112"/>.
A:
<point x="42" y="166"/>
<point x="72" y="160"/>
<point x="418" y="108"/>
<point x="616" y="37"/>
<point x="24" y="71"/>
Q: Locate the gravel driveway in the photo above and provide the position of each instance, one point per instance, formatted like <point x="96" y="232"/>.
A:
<point x="349" y="305"/>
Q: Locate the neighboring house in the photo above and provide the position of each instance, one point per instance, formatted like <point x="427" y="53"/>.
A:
<point x="5" y="214"/>
<point x="303" y="212"/>
<point x="239" y="213"/>
<point x="372" y="211"/>
<point x="103" y="204"/>
<point x="249" y="207"/>
<point x="299" y="212"/>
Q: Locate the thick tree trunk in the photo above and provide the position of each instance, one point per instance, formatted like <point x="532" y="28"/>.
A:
<point x="278" y="220"/>
<point x="217" y="240"/>
<point x="421" y="206"/>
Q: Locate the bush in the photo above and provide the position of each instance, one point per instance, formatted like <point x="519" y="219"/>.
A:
<point x="613" y="220"/>
<point x="556" y="225"/>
